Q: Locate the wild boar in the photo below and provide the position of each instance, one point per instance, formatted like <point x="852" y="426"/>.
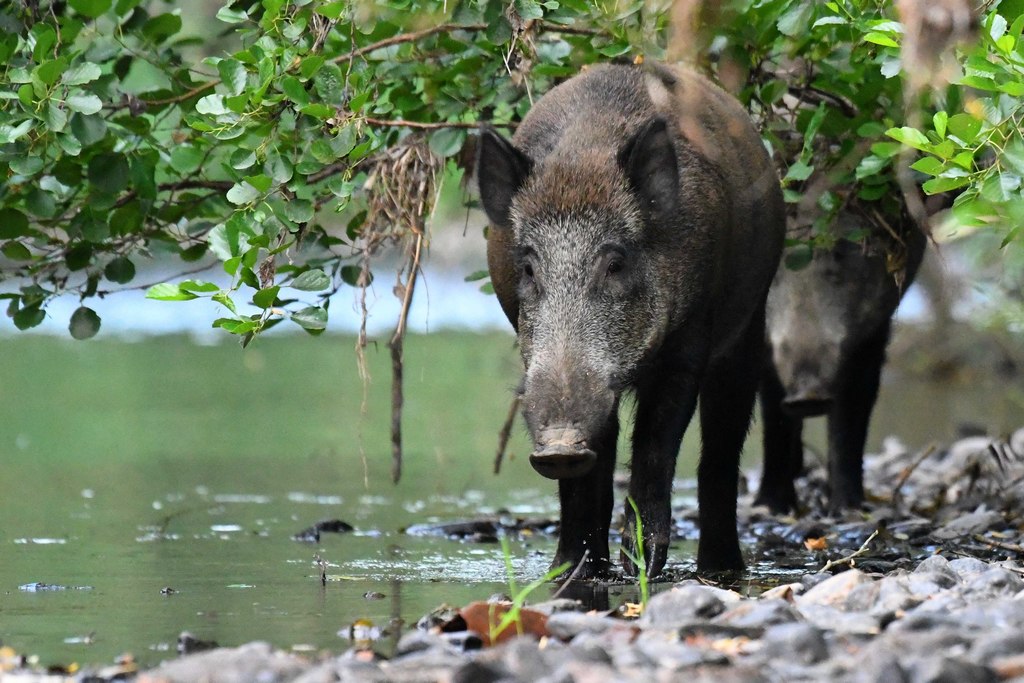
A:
<point x="636" y="222"/>
<point x="828" y="328"/>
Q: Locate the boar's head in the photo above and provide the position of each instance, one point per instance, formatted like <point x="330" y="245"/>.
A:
<point x="579" y="271"/>
<point x="818" y="315"/>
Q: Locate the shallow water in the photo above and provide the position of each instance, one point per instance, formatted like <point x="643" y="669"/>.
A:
<point x="127" y="468"/>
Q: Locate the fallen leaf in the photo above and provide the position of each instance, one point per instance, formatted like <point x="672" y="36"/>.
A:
<point x="816" y="543"/>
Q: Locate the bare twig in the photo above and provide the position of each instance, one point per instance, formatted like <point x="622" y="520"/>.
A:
<point x="506" y="431"/>
<point x="897" y="493"/>
<point x="1012" y="547"/>
<point x="852" y="556"/>
<point x="395" y="345"/>
<point x="575" y="571"/>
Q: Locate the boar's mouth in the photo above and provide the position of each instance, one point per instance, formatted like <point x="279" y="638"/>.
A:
<point x="562" y="453"/>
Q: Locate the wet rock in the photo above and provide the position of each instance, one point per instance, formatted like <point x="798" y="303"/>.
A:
<point x="1002" y="645"/>
<point x="933" y="669"/>
<point x="802" y="642"/>
<point x="568" y="625"/>
<point x="668" y="652"/>
<point x="759" y="614"/>
<point x="324" y="526"/>
<point x="726" y="596"/>
<point x="256" y="661"/>
<point x="558" y="605"/>
<point x="834" y="590"/>
<point x="968" y="524"/>
<point x="995" y="582"/>
<point x="968" y="567"/>
<point x="829" y="618"/>
<point x="420" y="641"/>
<point x="940" y="570"/>
<point x="681" y="605"/>
<point x="188" y="644"/>
<point x="479" y="672"/>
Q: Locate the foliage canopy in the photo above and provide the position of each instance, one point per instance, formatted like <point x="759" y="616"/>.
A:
<point x="319" y="132"/>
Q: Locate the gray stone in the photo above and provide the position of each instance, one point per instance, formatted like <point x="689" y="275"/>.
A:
<point x="567" y="625"/>
<point x="942" y="573"/>
<point x="678" y="606"/>
<point x="557" y="606"/>
<point x="976" y="522"/>
<point x="834" y="590"/>
<point x="933" y="669"/>
<point x="894" y="598"/>
<point x="667" y="652"/>
<point x="968" y="567"/>
<point x="803" y="642"/>
<point x="251" y="662"/>
<point x="759" y="614"/>
<point x="989" y="648"/>
<point x="829" y="618"/>
<point x="995" y="582"/>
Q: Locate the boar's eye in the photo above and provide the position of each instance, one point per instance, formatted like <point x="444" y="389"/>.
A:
<point x="528" y="270"/>
<point x="615" y="266"/>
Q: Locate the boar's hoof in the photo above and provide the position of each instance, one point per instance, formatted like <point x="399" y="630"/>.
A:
<point x="806" y="405"/>
<point x="562" y="454"/>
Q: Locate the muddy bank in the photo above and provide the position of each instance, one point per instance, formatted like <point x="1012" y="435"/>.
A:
<point x="926" y="585"/>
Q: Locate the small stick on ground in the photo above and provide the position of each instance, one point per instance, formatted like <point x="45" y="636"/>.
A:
<point x="583" y="561"/>
<point x="852" y="556"/>
<point x="1012" y="547"/>
<point x="897" y="493"/>
<point x="506" y="432"/>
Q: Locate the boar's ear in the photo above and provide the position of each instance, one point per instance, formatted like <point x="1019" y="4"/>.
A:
<point x="649" y="162"/>
<point x="501" y="170"/>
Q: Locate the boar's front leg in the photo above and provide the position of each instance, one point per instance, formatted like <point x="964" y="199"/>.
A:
<point x="783" y="446"/>
<point x="586" y="504"/>
<point x="727" y="399"/>
<point x="665" y="403"/>
<point x="848" y="421"/>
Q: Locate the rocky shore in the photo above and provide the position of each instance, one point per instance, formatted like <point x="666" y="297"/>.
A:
<point x="926" y="586"/>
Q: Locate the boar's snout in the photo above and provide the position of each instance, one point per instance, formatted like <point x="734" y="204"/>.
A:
<point x="562" y="453"/>
<point x="807" y="402"/>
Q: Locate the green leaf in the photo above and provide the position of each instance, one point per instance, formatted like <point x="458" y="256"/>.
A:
<point x="870" y="165"/>
<point x="109" y="172"/>
<point x="29" y="317"/>
<point x="120" y="270"/>
<point x="84" y="103"/>
<point x="332" y="10"/>
<point x="91" y="8"/>
<point x="798" y="257"/>
<point x="295" y="90"/>
<point x="168" y="292"/>
<point x="939" y="120"/>
<point x="929" y="165"/>
<point x="55" y="117"/>
<point x="447" y="142"/>
<point x="313" y="318"/>
<point x="799" y="171"/>
<point x="964" y="126"/>
<point x="313" y="280"/>
<point x="910" y="137"/>
<point x="243" y="193"/>
<point x="13" y="223"/>
<point x="265" y="297"/>
<point x="198" y="286"/>
<point x="88" y="129"/>
<point x="84" y="323"/>
<point x="161" y="27"/>
<point x="476" y="275"/>
<point x="16" y="251"/>
<point x="233" y="75"/>
<point x="299" y="210"/>
<point x="796" y="18"/>
<point x="938" y="185"/>
<point x="231" y="16"/>
<point x="80" y="74"/>
<point x="880" y="39"/>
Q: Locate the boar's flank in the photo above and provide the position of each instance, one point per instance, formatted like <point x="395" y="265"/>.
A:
<point x="636" y="223"/>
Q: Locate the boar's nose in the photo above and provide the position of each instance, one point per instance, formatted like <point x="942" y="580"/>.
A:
<point x="562" y="453"/>
<point x="807" y="403"/>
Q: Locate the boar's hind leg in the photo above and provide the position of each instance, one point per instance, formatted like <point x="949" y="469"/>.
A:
<point x="586" y="504"/>
<point x="848" y="422"/>
<point x="783" y="446"/>
<point x="726" y="405"/>
<point x="664" y="405"/>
